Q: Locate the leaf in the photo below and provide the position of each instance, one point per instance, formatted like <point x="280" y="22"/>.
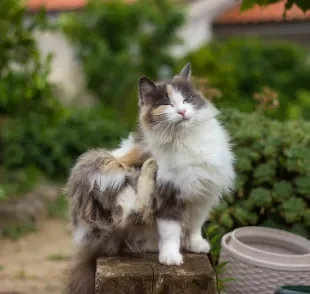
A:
<point x="304" y="5"/>
<point x="264" y="173"/>
<point x="241" y="215"/>
<point x="293" y="209"/>
<point x="247" y="4"/>
<point x="221" y="266"/>
<point x="215" y="241"/>
<point x="260" y="197"/>
<point x="243" y="165"/>
<point x="212" y="230"/>
<point x="283" y="190"/>
<point x="289" y="4"/>
<point x="303" y="186"/>
<point x="226" y="220"/>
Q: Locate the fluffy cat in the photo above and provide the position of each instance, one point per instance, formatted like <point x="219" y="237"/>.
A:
<point x="112" y="200"/>
<point x="180" y="129"/>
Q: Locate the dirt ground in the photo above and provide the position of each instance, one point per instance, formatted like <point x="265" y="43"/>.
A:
<point x="36" y="263"/>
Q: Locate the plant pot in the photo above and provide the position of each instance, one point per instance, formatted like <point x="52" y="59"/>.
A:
<point x="262" y="259"/>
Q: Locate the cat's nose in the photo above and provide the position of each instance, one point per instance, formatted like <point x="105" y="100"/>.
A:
<point x="182" y="112"/>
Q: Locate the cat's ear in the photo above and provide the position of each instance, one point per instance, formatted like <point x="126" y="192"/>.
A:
<point x="186" y="72"/>
<point x="145" y="86"/>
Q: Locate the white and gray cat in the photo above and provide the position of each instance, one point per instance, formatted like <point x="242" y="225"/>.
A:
<point x="173" y="170"/>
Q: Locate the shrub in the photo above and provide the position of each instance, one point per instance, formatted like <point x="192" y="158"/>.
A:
<point x="24" y="86"/>
<point x="273" y="167"/>
<point x="53" y="147"/>
<point x="117" y="42"/>
<point x="239" y="68"/>
<point x="25" y="92"/>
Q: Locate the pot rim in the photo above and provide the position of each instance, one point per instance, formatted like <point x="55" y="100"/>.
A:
<point x="287" y="262"/>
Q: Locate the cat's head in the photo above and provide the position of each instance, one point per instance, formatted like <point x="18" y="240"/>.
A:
<point x="172" y="105"/>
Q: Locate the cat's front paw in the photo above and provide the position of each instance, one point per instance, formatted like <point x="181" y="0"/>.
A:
<point x="149" y="168"/>
<point x="172" y="258"/>
<point x="197" y="245"/>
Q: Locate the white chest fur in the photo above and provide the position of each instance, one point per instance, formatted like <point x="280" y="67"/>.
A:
<point x="198" y="163"/>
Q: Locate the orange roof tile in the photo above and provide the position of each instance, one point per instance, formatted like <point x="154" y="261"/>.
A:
<point x="270" y="13"/>
<point x="56" y="4"/>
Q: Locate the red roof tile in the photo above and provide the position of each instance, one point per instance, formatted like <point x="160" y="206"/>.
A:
<point x="270" y="13"/>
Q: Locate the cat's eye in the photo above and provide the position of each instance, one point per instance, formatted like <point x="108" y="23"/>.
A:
<point x="187" y="99"/>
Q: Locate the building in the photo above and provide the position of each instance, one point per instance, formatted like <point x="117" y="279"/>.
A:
<point x="265" y="22"/>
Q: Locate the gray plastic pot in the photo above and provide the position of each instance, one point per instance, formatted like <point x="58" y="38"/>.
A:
<point x="263" y="259"/>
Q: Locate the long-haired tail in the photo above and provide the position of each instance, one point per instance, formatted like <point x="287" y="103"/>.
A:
<point x="82" y="274"/>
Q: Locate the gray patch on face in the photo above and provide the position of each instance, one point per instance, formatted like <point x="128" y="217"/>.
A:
<point x="158" y="96"/>
<point x="193" y="96"/>
<point x="169" y="205"/>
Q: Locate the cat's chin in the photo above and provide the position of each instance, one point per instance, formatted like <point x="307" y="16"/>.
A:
<point x="183" y="121"/>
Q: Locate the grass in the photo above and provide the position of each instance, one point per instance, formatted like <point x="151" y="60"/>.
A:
<point x="21" y="275"/>
<point x="59" y="208"/>
<point x="16" y="231"/>
<point x="58" y="257"/>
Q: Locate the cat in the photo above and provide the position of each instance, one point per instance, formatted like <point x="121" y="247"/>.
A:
<point x="180" y="129"/>
<point x="109" y="193"/>
<point x="187" y="164"/>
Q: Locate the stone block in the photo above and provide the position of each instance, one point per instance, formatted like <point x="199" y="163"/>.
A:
<point x="142" y="274"/>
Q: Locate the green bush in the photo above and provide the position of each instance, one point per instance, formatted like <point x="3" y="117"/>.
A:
<point x="241" y="67"/>
<point x="53" y="147"/>
<point x="118" y="42"/>
<point x="25" y="93"/>
<point x="273" y="168"/>
<point x="24" y="86"/>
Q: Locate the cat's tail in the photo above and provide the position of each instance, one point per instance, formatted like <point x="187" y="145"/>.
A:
<point x="82" y="273"/>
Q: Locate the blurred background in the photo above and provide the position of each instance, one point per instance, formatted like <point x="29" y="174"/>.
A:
<point x="68" y="82"/>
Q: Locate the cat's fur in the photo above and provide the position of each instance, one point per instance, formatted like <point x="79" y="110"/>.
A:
<point x="109" y="193"/>
<point x="179" y="128"/>
<point x="195" y="164"/>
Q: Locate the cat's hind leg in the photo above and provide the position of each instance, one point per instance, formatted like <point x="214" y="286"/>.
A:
<point x="137" y="207"/>
<point x="145" y="191"/>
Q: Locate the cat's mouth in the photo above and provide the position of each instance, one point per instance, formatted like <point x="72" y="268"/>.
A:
<point x="183" y="120"/>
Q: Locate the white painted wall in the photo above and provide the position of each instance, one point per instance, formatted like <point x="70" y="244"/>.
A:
<point x="66" y="71"/>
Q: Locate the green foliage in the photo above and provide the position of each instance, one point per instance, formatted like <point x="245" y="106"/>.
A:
<point x="118" y="42"/>
<point x="58" y="257"/>
<point x="52" y="147"/>
<point x="59" y="208"/>
<point x="25" y="92"/>
<point x="273" y="170"/>
<point x="302" y="4"/>
<point x="16" y="231"/>
<point x="17" y="181"/>
<point x="24" y="86"/>
<point x="214" y="234"/>
<point x="241" y="68"/>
